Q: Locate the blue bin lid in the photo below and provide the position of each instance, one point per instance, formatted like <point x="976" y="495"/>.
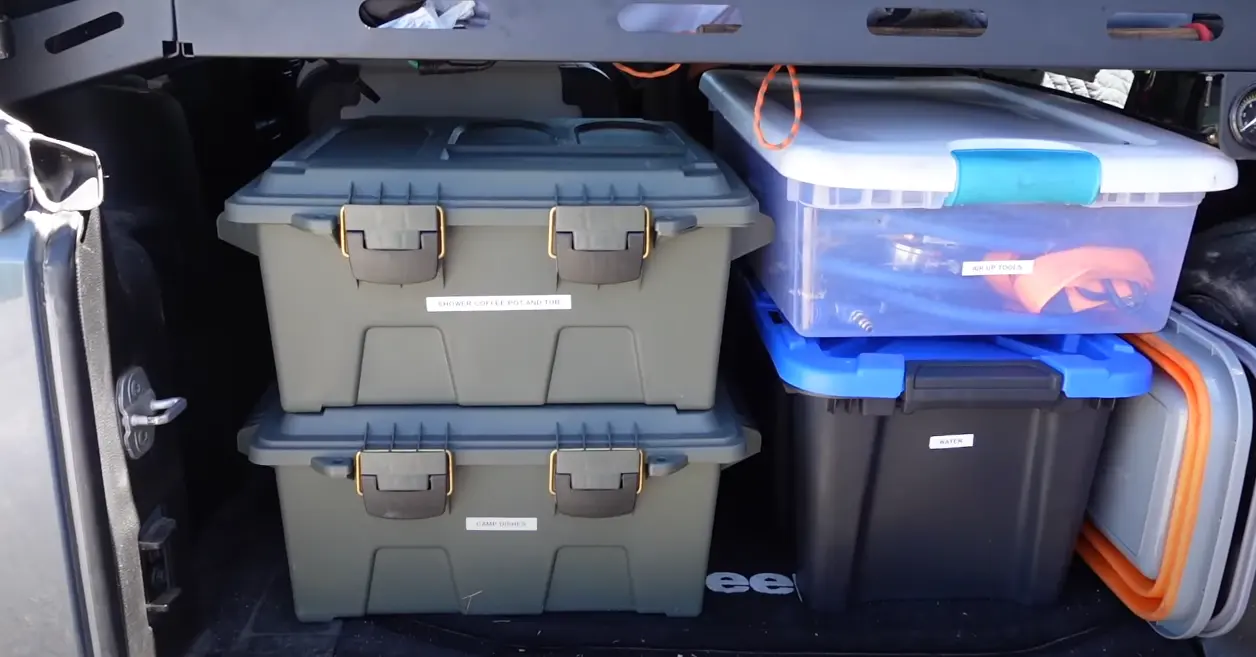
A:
<point x="1091" y="366"/>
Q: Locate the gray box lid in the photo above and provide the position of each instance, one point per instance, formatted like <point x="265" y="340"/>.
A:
<point x="497" y="435"/>
<point x="1117" y="494"/>
<point x="1241" y="562"/>
<point x="498" y="164"/>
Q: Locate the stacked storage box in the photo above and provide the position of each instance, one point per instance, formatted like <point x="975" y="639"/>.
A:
<point x="497" y="510"/>
<point x="454" y="304"/>
<point x="912" y="209"/>
<point x="958" y="206"/>
<point x="936" y="467"/>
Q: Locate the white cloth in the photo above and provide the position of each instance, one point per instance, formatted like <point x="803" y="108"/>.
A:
<point x="435" y="15"/>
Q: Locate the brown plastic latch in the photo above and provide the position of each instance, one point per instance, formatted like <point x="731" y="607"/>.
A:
<point x="404" y="485"/>
<point x="416" y="256"/>
<point x="620" y="239"/>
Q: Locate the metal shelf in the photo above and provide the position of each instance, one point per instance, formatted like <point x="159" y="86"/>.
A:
<point x="1055" y="34"/>
<point x="1021" y="33"/>
<point x="80" y="40"/>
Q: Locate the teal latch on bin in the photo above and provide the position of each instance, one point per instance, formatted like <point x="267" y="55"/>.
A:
<point x="1025" y="176"/>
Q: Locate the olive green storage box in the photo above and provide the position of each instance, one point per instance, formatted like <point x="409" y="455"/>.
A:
<point x="472" y="262"/>
<point x="497" y="510"/>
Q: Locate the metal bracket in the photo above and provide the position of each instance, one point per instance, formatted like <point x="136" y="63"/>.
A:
<point x="141" y="412"/>
<point x="64" y="43"/>
<point x="1055" y="35"/>
<point x="596" y="483"/>
<point x="404" y="485"/>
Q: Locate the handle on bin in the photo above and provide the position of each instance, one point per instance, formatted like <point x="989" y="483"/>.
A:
<point x="247" y="432"/>
<point x="662" y="465"/>
<point x="1002" y="384"/>
<point x="244" y="438"/>
<point x="674" y="226"/>
<point x="322" y="225"/>
<point x="751" y="238"/>
<point x="335" y="467"/>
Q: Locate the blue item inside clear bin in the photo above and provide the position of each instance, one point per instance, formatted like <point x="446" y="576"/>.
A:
<point x="873" y="266"/>
<point x="839" y="271"/>
<point x="1092" y="366"/>
<point x="923" y="315"/>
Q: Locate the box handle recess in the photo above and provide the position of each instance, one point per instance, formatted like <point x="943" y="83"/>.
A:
<point x="404" y="485"/>
<point x="1000" y="384"/>
<point x="600" y="245"/>
<point x="392" y="244"/>
<point x="596" y="483"/>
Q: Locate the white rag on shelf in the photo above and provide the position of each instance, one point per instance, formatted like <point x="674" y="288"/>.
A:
<point x="435" y="15"/>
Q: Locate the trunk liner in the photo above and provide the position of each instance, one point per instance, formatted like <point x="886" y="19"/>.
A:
<point x="243" y="583"/>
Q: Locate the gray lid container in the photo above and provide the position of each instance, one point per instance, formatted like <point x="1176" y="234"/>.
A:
<point x="623" y="525"/>
<point x="495" y="262"/>
<point x="1124" y="487"/>
<point x="495" y="435"/>
<point x="599" y="457"/>
<point x="1240" y="569"/>
<point x="485" y="172"/>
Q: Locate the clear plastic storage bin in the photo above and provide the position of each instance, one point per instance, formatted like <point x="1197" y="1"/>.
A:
<point x="958" y="206"/>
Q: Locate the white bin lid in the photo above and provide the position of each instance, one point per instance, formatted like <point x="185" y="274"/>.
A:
<point x="918" y="134"/>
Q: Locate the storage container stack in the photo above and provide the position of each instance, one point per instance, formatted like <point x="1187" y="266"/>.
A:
<point x="496" y="346"/>
<point x="939" y="319"/>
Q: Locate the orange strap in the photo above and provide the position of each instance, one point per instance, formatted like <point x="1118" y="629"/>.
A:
<point x="647" y="75"/>
<point x="758" y="109"/>
<point x="1071" y="273"/>
<point x="758" y="103"/>
<point x="1154" y="600"/>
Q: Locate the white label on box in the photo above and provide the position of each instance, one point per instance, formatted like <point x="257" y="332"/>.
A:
<point x="501" y="524"/>
<point x="997" y="267"/>
<point x="499" y="303"/>
<point x="954" y="441"/>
